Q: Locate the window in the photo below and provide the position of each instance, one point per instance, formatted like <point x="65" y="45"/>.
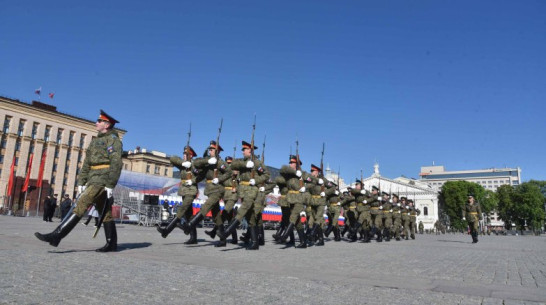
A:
<point x="489" y="182"/>
<point x="56" y="152"/>
<point x="34" y="130"/>
<point x="515" y="183"/>
<point x="47" y="133"/>
<point x="53" y="180"/>
<point x="7" y="121"/>
<point x="82" y="140"/>
<point x="16" y="161"/>
<point x="156" y="170"/>
<point x="68" y="153"/>
<point x="71" y="138"/>
<point x="166" y="172"/>
<point x="31" y="148"/>
<point x="54" y="167"/>
<point x="1" y="158"/>
<point x="425" y="211"/>
<point x="60" y="135"/>
<point x="147" y="169"/>
<point x="21" y="128"/>
<point x="17" y="145"/>
<point x="3" y="143"/>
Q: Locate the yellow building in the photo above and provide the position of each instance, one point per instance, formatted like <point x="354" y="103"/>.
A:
<point x="147" y="162"/>
<point x="30" y="129"/>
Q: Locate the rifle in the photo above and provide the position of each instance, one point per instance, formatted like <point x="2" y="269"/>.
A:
<point x="298" y="167"/>
<point x="187" y="152"/>
<point x="322" y="187"/>
<point x="218" y="146"/>
<point x="252" y="156"/>
<point x="263" y="151"/>
<point x="234" y="176"/>
<point x="361" y="180"/>
<point x="108" y="202"/>
<point x="338" y="174"/>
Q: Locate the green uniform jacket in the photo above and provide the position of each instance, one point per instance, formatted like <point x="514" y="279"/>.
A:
<point x="361" y="200"/>
<point x="261" y="175"/>
<point x="283" y="189"/>
<point x="397" y="210"/>
<point x="192" y="173"/>
<point x="104" y="150"/>
<point x="472" y="212"/>
<point x="224" y="173"/>
<point x="315" y="189"/>
<point x="293" y="184"/>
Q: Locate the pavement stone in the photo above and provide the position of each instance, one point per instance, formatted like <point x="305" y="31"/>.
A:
<point x="433" y="269"/>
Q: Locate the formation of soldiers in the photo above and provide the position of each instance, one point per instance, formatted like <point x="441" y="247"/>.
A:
<point x="304" y="195"/>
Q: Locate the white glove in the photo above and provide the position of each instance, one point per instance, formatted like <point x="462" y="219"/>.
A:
<point x="215" y="181"/>
<point x="302" y="214"/>
<point x="364" y="201"/>
<point x="390" y="211"/>
<point x="322" y="194"/>
<point x="188" y="182"/>
<point x="262" y="189"/>
<point x="407" y="206"/>
<point x="212" y="161"/>
<point x="390" y="200"/>
<point x="81" y="188"/>
<point x="381" y="207"/>
<point x="298" y="173"/>
<point x="336" y="192"/>
<point x="249" y="164"/>
<point x="252" y="181"/>
<point x="398" y="204"/>
<point x="302" y="190"/>
<point x="186" y="164"/>
<point x="339" y="203"/>
<point x="109" y="192"/>
<point x="320" y="181"/>
<point x="363" y="192"/>
<point x="464" y="218"/>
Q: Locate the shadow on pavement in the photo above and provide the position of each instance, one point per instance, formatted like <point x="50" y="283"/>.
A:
<point x="130" y="246"/>
<point x="453" y="241"/>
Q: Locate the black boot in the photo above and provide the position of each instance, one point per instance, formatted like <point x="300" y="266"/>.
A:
<point x="170" y="227"/>
<point x="255" y="245"/>
<point x="234" y="237"/>
<point x="111" y="237"/>
<point x="222" y="241"/>
<point x="303" y="243"/>
<point x="54" y="238"/>
<point x="387" y="235"/>
<point x="328" y="230"/>
<point x="311" y="232"/>
<point x="212" y="233"/>
<point x="337" y="236"/>
<point x="379" y="236"/>
<point x="366" y="238"/>
<point x="193" y="223"/>
<point x="320" y="241"/>
<point x="245" y="237"/>
<point x="261" y="235"/>
<point x="345" y="228"/>
<point x="292" y="238"/>
<point x="278" y="233"/>
<point x="231" y="227"/>
<point x="193" y="237"/>
<point x="286" y="232"/>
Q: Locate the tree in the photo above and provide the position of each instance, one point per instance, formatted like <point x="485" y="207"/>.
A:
<point x="505" y="195"/>
<point x="522" y="205"/>
<point x="453" y="198"/>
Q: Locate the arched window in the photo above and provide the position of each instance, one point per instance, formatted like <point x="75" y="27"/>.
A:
<point x="425" y="211"/>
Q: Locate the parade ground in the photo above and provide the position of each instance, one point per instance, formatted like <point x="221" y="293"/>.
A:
<point x="147" y="269"/>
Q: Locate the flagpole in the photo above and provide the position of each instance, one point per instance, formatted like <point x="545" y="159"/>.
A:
<point x="40" y="179"/>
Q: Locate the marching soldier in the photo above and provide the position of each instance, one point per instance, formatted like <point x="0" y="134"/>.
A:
<point x="230" y="198"/>
<point x="259" y="207"/>
<point x="349" y="206"/>
<point x="251" y="174"/>
<point x="472" y="213"/>
<point x="333" y="212"/>
<point x="215" y="172"/>
<point x="376" y="212"/>
<point x="405" y="211"/>
<point x="285" y="210"/>
<point x="362" y="199"/>
<point x="387" y="216"/>
<point x="396" y="216"/>
<point x="319" y="189"/>
<point x="297" y="197"/>
<point x="98" y="177"/>
<point x="413" y="213"/>
<point x="188" y="190"/>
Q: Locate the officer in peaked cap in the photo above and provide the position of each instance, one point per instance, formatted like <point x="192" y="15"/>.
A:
<point x="396" y="217"/>
<point x="472" y="213"/>
<point x="98" y="177"/>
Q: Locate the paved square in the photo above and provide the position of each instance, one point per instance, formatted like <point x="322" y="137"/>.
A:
<point x="433" y="269"/>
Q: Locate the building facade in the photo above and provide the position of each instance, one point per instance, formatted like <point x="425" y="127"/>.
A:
<point x="39" y="130"/>
<point x="490" y="179"/>
<point x="148" y="162"/>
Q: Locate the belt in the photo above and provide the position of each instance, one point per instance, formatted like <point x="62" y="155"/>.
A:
<point x="375" y="208"/>
<point x="293" y="192"/>
<point x="244" y="183"/>
<point x="386" y="212"/>
<point x="283" y="196"/>
<point x="316" y="196"/>
<point x="102" y="166"/>
<point x="228" y="187"/>
<point x="209" y="181"/>
<point x="335" y="203"/>
<point x="473" y="213"/>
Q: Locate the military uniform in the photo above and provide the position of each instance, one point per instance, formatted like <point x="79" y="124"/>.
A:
<point x="215" y="171"/>
<point x="362" y="200"/>
<point x="285" y="210"/>
<point x="298" y="197"/>
<point x="333" y="211"/>
<point x="349" y="209"/>
<point x="387" y="217"/>
<point x="251" y="174"/>
<point x="188" y="190"/>
<point x="98" y="177"/>
<point x="472" y="212"/>
<point x="259" y="207"/>
<point x="376" y="211"/>
<point x="413" y="213"/>
<point x="319" y="190"/>
<point x="396" y="217"/>
<point x="230" y="198"/>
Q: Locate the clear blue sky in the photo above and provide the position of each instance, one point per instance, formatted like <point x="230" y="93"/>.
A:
<point x="406" y="83"/>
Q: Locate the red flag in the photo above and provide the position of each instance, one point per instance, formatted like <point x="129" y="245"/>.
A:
<point x="11" y="176"/>
<point x="38" y="91"/>
<point x="27" y="179"/>
<point x="51" y="95"/>
<point x="41" y="172"/>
